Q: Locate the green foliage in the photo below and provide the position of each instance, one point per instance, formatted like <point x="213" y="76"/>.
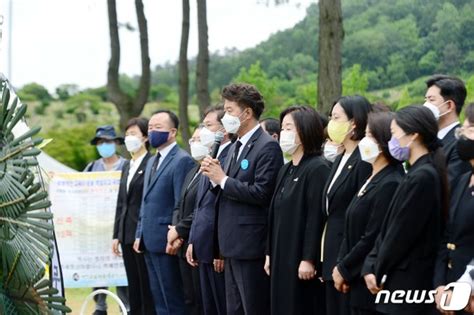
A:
<point x="394" y="42"/>
<point x="82" y="105"/>
<point x="100" y="92"/>
<point x="71" y="145"/>
<point x="65" y="91"/>
<point x="268" y="87"/>
<point x="34" y="92"/>
<point x="355" y="81"/>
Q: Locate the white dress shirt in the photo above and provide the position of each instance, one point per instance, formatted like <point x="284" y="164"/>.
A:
<point x="134" y="164"/>
<point x="443" y="132"/>
<point x="244" y="140"/>
<point x="164" y="152"/>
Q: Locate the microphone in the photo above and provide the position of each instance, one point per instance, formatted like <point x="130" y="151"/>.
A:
<point x="217" y="143"/>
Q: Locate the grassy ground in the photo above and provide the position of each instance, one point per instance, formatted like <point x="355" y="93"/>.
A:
<point x="76" y="297"/>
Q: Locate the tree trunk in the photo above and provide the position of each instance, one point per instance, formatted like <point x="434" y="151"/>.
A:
<point x="127" y="106"/>
<point x="331" y="34"/>
<point x="202" y="68"/>
<point x="184" y="76"/>
<point x="145" y="80"/>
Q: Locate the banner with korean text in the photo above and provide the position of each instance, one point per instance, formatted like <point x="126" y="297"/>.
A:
<point x="84" y="206"/>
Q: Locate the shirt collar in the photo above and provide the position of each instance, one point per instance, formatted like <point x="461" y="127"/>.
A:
<point x="222" y="147"/>
<point x="443" y="132"/>
<point x="138" y="160"/>
<point x="245" y="138"/>
<point x="164" y="152"/>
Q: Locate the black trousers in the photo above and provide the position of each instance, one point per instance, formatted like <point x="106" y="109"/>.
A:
<point x="191" y="287"/>
<point x="141" y="300"/>
<point x="247" y="287"/>
<point x="212" y="289"/>
<point x="337" y="303"/>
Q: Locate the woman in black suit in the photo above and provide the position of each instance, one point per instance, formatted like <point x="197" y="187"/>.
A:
<point x="348" y="173"/>
<point x="296" y="218"/>
<point x="366" y="213"/>
<point x="457" y="247"/>
<point x="405" y="251"/>
<point x="126" y="217"/>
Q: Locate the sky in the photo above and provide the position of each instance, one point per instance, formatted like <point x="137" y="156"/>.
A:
<point x="58" y="42"/>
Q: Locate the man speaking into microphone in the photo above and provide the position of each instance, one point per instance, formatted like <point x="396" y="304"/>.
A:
<point x="244" y="188"/>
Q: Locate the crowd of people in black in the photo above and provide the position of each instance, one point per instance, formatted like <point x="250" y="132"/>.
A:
<point x="369" y="201"/>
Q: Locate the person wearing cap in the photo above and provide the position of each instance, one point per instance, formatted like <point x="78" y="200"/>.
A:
<point x="106" y="142"/>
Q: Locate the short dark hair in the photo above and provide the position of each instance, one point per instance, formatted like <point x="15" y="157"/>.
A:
<point x="357" y="108"/>
<point x="469" y="113"/>
<point x="218" y="109"/>
<point x="379" y="126"/>
<point x="246" y="95"/>
<point x="142" y="124"/>
<point x="309" y="127"/>
<point x="451" y="88"/>
<point x="272" y="126"/>
<point x="173" y="118"/>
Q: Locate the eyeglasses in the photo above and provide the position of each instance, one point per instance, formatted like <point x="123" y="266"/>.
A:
<point x="194" y="140"/>
<point x="467" y="132"/>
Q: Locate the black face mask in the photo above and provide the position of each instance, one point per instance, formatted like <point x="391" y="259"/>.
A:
<point x="465" y="147"/>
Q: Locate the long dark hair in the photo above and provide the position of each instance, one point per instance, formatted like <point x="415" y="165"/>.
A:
<point x="419" y="119"/>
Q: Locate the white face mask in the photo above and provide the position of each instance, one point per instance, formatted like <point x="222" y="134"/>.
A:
<point x="330" y="151"/>
<point x="231" y="123"/>
<point x="435" y="109"/>
<point x="287" y="141"/>
<point x="369" y="150"/>
<point x="133" y="143"/>
<point x="199" y="151"/>
<point x="207" y="137"/>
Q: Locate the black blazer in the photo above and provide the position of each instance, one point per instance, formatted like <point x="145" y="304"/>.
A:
<point x="456" y="166"/>
<point x="128" y="203"/>
<point x="244" y="201"/>
<point x="364" y="217"/>
<point x="183" y="213"/>
<point x="451" y="262"/>
<point x="350" y="180"/>
<point x="409" y="237"/>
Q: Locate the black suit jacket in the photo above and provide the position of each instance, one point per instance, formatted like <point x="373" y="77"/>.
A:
<point x="406" y="248"/>
<point x="451" y="262"/>
<point x="456" y="166"/>
<point x="350" y="180"/>
<point x="128" y="203"/>
<point x="244" y="201"/>
<point x="364" y="217"/>
<point x="183" y="214"/>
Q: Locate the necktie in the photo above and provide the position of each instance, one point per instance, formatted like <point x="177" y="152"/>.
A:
<point x="154" y="166"/>
<point x="235" y="156"/>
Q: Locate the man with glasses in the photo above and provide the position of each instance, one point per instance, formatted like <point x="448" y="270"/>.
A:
<point x="202" y="237"/>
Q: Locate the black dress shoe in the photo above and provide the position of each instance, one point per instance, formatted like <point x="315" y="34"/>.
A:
<point x="97" y="312"/>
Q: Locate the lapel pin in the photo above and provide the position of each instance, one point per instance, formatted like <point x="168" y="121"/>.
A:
<point x="296" y="179"/>
<point x="140" y="172"/>
<point x="244" y="164"/>
<point x="349" y="167"/>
